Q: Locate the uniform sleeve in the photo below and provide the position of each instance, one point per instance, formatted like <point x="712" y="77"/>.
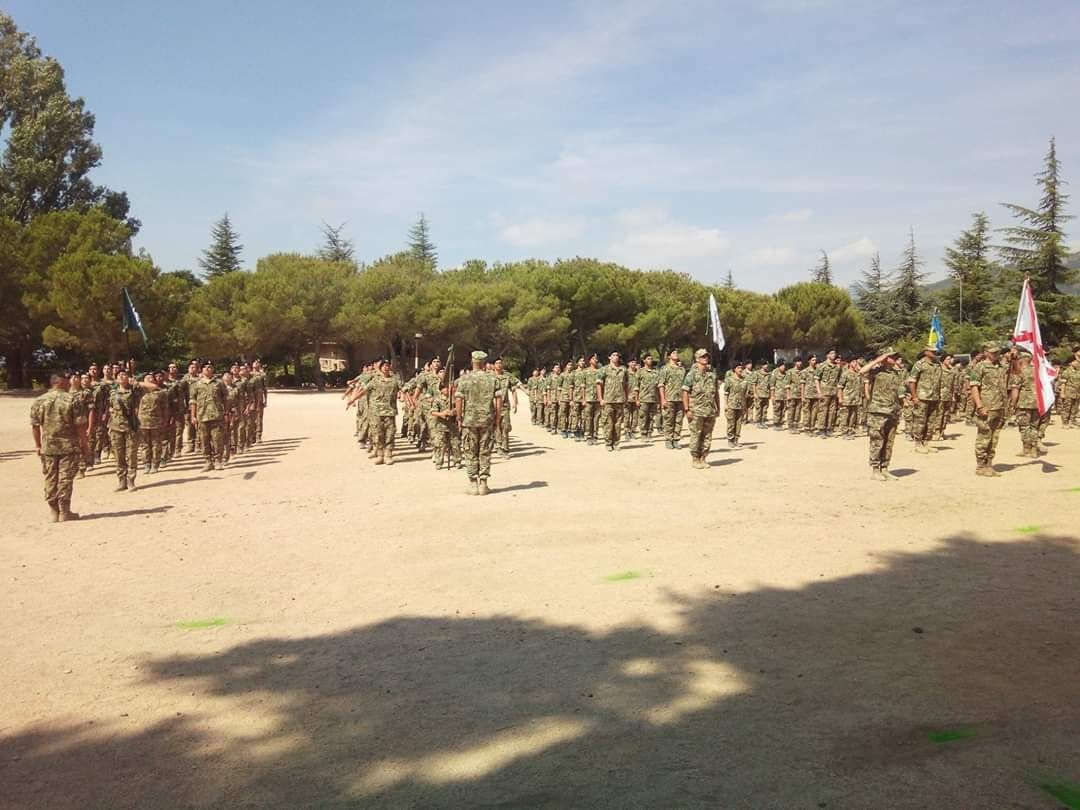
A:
<point x="975" y="377"/>
<point x="35" y="414"/>
<point x="688" y="380"/>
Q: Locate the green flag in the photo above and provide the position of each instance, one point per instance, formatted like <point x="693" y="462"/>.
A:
<point x="131" y="317"/>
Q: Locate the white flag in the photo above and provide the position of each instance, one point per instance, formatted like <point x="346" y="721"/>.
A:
<point x="714" y="323"/>
<point x="1026" y="335"/>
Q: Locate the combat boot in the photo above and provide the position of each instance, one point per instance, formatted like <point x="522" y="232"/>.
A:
<point x="219" y="465"/>
<point x="388" y="456"/>
<point x="875" y="473"/>
<point x="472" y="489"/>
<point x="54" y="512"/>
<point x="482" y="487"/>
<point x="208" y="467"/>
<point x="121" y="485"/>
<point x="131" y="483"/>
<point x="66" y="513"/>
<point x="982" y="470"/>
<point x="379" y="459"/>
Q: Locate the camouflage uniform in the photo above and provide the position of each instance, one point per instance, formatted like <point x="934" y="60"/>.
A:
<point x="926" y="375"/>
<point x="261" y="390"/>
<point x="671" y="380"/>
<point x="54" y="413"/>
<point x="124" y="433"/>
<point x="530" y="389"/>
<point x="702" y="389"/>
<point x="615" y="383"/>
<point x="566" y="395"/>
<point x="383" y="390"/>
<point x="948" y="400"/>
<point x="828" y="378"/>
<point x="1027" y="409"/>
<point x="989" y="376"/>
<point x="590" y="405"/>
<point x="850" y="397"/>
<point x="83" y="402"/>
<point x="810" y="399"/>
<point x="477" y="393"/>
<point x="794" y="399"/>
<point x="1069" y="388"/>
<point x="99" y="441"/>
<point x="444" y="433"/>
<point x="208" y="398"/>
<point x="736" y="393"/>
<point x="630" y="422"/>
<point x="883" y="409"/>
<point x="192" y="430"/>
<point x="551" y="401"/>
<point x="178" y="409"/>
<point x="778" y="386"/>
<point x="760" y="385"/>
<point x="648" y="398"/>
<point x="153" y="417"/>
<point x="506" y="383"/>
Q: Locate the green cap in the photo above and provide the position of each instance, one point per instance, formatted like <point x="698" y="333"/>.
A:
<point x="479" y="355"/>
<point x="991" y="346"/>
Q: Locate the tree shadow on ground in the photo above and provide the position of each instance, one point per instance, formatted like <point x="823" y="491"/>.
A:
<point x="944" y="679"/>
<point x="157" y="510"/>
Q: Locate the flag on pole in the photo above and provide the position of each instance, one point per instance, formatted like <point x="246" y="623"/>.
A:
<point x="1026" y="335"/>
<point x="131" y="316"/>
<point x="714" y="323"/>
<point x="937" y="334"/>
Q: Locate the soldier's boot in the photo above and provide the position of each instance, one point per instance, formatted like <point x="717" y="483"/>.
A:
<point x="694" y="462"/>
<point x="121" y="485"/>
<point x="990" y="471"/>
<point x="875" y="473"/>
<point x="207" y="467"/>
<point x="982" y="470"/>
<point x="131" y="483"/>
<point x="379" y="458"/>
<point x="66" y="513"/>
<point x="389" y="456"/>
<point x="1041" y="449"/>
<point x="472" y="488"/>
<point x="146" y="468"/>
<point x="219" y="465"/>
<point x="54" y="512"/>
<point x="372" y="452"/>
<point x="482" y="487"/>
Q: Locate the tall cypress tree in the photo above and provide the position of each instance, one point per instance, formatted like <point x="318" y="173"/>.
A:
<point x="872" y="299"/>
<point x="968" y="261"/>
<point x="729" y="281"/>
<point x="822" y="273"/>
<point x="1036" y="245"/>
<point x="420" y="244"/>
<point x="336" y="247"/>
<point x="223" y="255"/>
<point x="906" y="296"/>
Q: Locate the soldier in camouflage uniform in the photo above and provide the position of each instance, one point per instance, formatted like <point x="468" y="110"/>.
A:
<point x="949" y="374"/>
<point x="124" y="429"/>
<point x="794" y="395"/>
<point x="507" y="391"/>
<point x="566" y="394"/>
<point x="444" y="430"/>
<point x="613" y="390"/>
<point x="827" y="379"/>
<point x="648" y="395"/>
<point x="530" y="389"/>
<point x="384" y="388"/>
<point x="187" y="381"/>
<point x="701" y="402"/>
<point x="83" y="397"/>
<point x="630" y="419"/>
<point x="760" y="390"/>
<point x="478" y="412"/>
<point x="671" y="380"/>
<point x="577" y="390"/>
<point x="551" y="398"/>
<point x="153" y="418"/>
<point x="1069" y="388"/>
<point x="850" y="392"/>
<point x="810" y="396"/>
<point x="101" y="388"/>
<point x="883" y="389"/>
<point x="778" y="393"/>
<point x="736" y="397"/>
<point x="56" y="437"/>
<point x="177" y="413"/>
<point x="924" y="388"/>
<point x="207" y="411"/>
<point x="590" y="405"/>
<point x="1026" y="407"/>
<point x="988" y="389"/>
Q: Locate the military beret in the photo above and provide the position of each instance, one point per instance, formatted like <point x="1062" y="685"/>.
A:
<point x="479" y="355"/>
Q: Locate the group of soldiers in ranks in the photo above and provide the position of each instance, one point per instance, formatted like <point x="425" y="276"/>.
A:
<point x="447" y="416"/>
<point x="142" y="419"/>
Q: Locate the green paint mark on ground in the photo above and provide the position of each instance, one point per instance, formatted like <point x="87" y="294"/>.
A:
<point x="951" y="735"/>
<point x="623" y="576"/>
<point x="217" y="621"/>
<point x="1027" y="529"/>
<point x="1067" y="793"/>
<point x="1073" y="489"/>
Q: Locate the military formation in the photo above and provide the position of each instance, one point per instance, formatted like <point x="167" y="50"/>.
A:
<point x="142" y="421"/>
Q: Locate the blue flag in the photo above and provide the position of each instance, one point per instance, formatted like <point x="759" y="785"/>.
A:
<point x="937" y="334"/>
<point x="131" y="316"/>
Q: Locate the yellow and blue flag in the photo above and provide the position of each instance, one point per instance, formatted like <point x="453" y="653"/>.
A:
<point x="937" y="334"/>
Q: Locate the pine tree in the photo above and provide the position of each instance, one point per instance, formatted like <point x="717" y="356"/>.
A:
<point x="969" y="266"/>
<point x="906" y="296"/>
<point x="872" y="299"/>
<point x="729" y="281"/>
<point x="822" y="274"/>
<point x="223" y="255"/>
<point x="335" y="247"/>
<point x="420" y="244"/>
<point x="1037" y="246"/>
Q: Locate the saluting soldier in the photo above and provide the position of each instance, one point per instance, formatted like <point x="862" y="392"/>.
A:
<point x="884" y="389"/>
<point x="153" y="414"/>
<point x="384" y="387"/>
<point x="56" y="437"/>
<point x="124" y="428"/>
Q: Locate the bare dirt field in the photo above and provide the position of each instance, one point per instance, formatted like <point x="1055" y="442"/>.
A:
<point x="605" y="630"/>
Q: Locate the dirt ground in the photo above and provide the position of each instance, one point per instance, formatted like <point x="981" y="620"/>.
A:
<point x="605" y="630"/>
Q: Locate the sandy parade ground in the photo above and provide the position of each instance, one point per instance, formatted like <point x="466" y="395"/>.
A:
<point x="616" y="630"/>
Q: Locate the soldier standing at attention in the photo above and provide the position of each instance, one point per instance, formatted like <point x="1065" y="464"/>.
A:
<point x="507" y="389"/>
<point x="850" y="393"/>
<point x="530" y="389"/>
<point x="261" y="388"/>
<point x="56" y="437"/>
<point x="827" y="378"/>
<point x="551" y="399"/>
<point x="809" y="392"/>
<point x="1022" y="394"/>
<point x="207" y="412"/>
<point x="949" y="374"/>
<point x="577" y="426"/>
<point x="83" y="400"/>
<point x="124" y="429"/>
<point x="189" y="380"/>
<point x="445" y="450"/>
<point x="1069" y="386"/>
<point x="670" y="387"/>
<point x="153" y="416"/>
<point x="478" y="412"/>
<point x="701" y="402"/>
<point x="736" y="394"/>
<point x="613" y="389"/>
<point x="590" y="405"/>
<point x="988" y="389"/>
<point x="778" y="393"/>
<point x="566" y="395"/>
<point x="794" y="395"/>
<point x="630" y="423"/>
<point x="883" y="389"/>
<point x="541" y="387"/>
<point x="648" y="395"/>
<point x="761" y="394"/>
<point x="177" y="412"/>
<point x="924" y="388"/>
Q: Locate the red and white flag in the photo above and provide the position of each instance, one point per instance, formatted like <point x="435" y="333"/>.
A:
<point x="1026" y="335"/>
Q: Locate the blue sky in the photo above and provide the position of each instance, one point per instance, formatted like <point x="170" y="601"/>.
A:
<point x="701" y="136"/>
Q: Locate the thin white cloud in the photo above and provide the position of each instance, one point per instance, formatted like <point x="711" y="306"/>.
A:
<point x="771" y="256"/>
<point x="664" y="243"/>
<point x="859" y="249"/>
<point x="541" y="232"/>
<point x="802" y="215"/>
